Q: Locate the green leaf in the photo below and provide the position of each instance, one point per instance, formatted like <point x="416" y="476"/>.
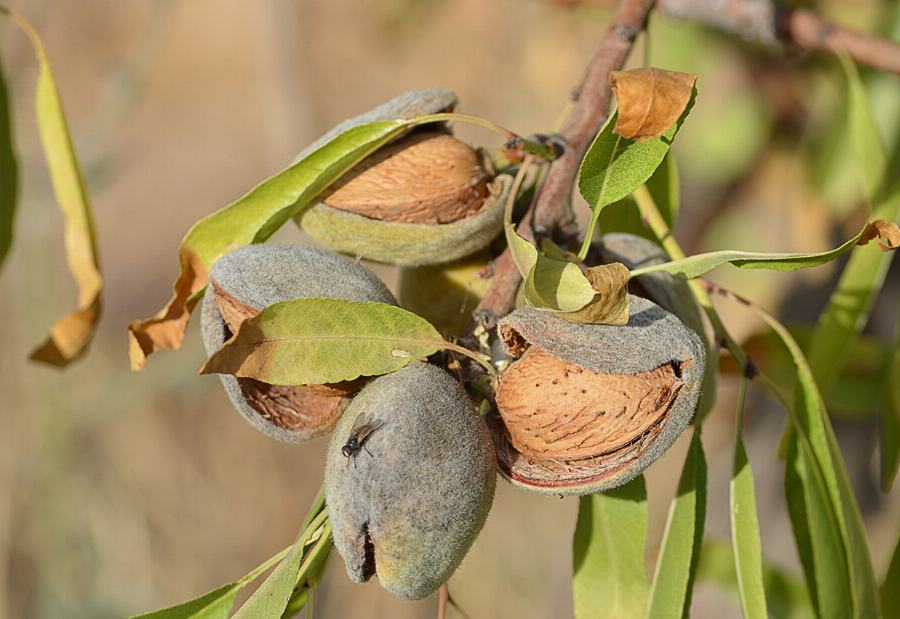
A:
<point x="609" y="579"/>
<point x="787" y="595"/>
<point x="317" y="341"/>
<point x="745" y="523"/>
<point x="890" y="422"/>
<point x="216" y="604"/>
<point x="890" y="586"/>
<point x="697" y="265"/>
<point x="9" y="172"/>
<point x="848" y="308"/>
<point x="252" y="219"/>
<point x="665" y="188"/>
<point x="272" y="596"/>
<point x="818" y="468"/>
<point x="614" y="166"/>
<point x="597" y="295"/>
<point x="679" y="555"/>
<point x="816" y="531"/>
<point x="70" y="336"/>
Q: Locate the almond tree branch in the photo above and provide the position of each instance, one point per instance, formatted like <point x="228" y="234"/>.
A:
<point x="552" y="206"/>
<point x="771" y="23"/>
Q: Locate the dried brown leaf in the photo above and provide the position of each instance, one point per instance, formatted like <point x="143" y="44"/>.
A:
<point x="166" y="329"/>
<point x="610" y="304"/>
<point x="650" y="100"/>
<point x="886" y="233"/>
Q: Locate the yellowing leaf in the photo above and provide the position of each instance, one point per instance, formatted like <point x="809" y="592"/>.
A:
<point x="317" y="341"/>
<point x="251" y="219"/>
<point x="649" y="100"/>
<point x="71" y="335"/>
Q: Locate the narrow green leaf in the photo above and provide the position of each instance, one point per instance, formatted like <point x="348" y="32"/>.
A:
<point x="614" y="166"/>
<point x="814" y="520"/>
<point x="890" y="422"/>
<point x="819" y="458"/>
<point x="252" y="219"/>
<point x="664" y="186"/>
<point x="848" y="308"/>
<point x="676" y="566"/>
<point x="317" y="341"/>
<point x="745" y="523"/>
<point x="890" y="586"/>
<point x="609" y="579"/>
<point x="70" y="336"/>
<point x="699" y="264"/>
<point x="272" y="596"/>
<point x="787" y="595"/>
<point x="9" y="172"/>
<point x="216" y="604"/>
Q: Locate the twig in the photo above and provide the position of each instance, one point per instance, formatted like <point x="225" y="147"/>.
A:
<point x="552" y="206"/>
<point x="443" y="598"/>
<point x="772" y="23"/>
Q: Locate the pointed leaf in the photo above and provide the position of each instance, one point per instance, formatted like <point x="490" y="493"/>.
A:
<point x="251" y="219"/>
<point x="745" y="538"/>
<point x="650" y="100"/>
<point x="679" y="553"/>
<point x="609" y="580"/>
<point x="822" y="475"/>
<point x="70" y="336"/>
<point x="787" y="595"/>
<point x="9" y="172"/>
<point x="890" y="586"/>
<point x="317" y="341"/>
<point x="697" y="265"/>
<point x="216" y="604"/>
<point x="614" y="167"/>
<point x="848" y="308"/>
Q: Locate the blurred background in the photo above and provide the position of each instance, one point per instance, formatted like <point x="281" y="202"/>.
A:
<point x="123" y="492"/>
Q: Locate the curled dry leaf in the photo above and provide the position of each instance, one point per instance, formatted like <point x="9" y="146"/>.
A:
<point x="71" y="335"/>
<point x="650" y="100"/>
<point x="886" y="233"/>
<point x="610" y="305"/>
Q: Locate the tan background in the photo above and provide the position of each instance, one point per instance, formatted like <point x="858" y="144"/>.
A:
<point x="123" y="492"/>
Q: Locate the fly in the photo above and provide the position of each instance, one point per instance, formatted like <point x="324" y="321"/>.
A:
<point x="361" y="432"/>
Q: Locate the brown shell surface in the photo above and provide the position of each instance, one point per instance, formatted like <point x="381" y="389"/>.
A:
<point x="426" y="177"/>
<point x="554" y="410"/>
<point x="300" y="407"/>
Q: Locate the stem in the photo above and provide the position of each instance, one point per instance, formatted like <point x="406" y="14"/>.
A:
<point x="482" y="360"/>
<point x="529" y="146"/>
<point x="595" y="210"/>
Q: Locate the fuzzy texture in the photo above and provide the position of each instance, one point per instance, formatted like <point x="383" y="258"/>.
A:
<point x="421" y="486"/>
<point x="404" y="106"/>
<point x="407" y="244"/>
<point x="652" y="338"/>
<point x="260" y="275"/>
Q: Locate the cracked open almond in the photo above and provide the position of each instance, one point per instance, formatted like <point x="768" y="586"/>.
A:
<point x="585" y="408"/>
<point x="248" y="280"/>
<point x="425" y="198"/>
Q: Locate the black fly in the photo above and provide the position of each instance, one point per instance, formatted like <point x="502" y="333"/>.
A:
<point x="362" y="430"/>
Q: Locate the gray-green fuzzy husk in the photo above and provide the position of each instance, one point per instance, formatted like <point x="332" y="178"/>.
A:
<point x="669" y="292"/>
<point x="418" y="491"/>
<point x="260" y="275"/>
<point x="407" y="244"/>
<point x="652" y="338"/>
<point x="404" y="106"/>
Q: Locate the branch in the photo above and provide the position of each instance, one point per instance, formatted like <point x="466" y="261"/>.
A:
<point x="772" y="23"/>
<point x="552" y="206"/>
